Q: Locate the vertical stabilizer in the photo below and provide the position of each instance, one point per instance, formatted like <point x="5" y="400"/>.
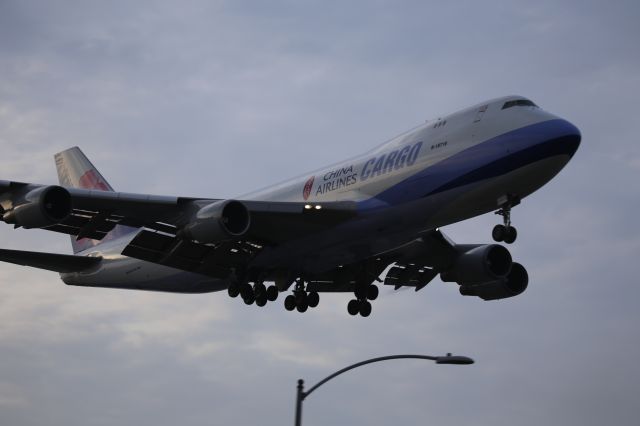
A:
<point x="76" y="171"/>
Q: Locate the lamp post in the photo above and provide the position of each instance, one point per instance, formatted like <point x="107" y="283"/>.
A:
<point x="301" y="394"/>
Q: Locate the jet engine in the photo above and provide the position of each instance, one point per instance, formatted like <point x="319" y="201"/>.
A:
<point x="479" y="264"/>
<point x="219" y="221"/>
<point x="512" y="285"/>
<point x="486" y="271"/>
<point x="41" y="207"/>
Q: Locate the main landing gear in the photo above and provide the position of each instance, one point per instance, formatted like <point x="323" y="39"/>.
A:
<point x="361" y="305"/>
<point x="257" y="293"/>
<point x="300" y="299"/>
<point x="506" y="232"/>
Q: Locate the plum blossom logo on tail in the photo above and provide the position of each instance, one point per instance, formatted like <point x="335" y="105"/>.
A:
<point x="91" y="180"/>
<point x="307" y="188"/>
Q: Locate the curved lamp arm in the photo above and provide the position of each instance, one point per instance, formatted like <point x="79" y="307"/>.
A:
<point x="448" y="359"/>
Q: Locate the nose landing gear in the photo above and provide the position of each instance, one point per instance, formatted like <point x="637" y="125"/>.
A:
<point x="506" y="232"/>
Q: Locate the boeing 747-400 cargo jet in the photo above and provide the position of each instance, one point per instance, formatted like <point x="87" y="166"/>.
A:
<point x="336" y="229"/>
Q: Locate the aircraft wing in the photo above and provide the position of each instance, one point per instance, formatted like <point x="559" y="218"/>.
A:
<point x="87" y="213"/>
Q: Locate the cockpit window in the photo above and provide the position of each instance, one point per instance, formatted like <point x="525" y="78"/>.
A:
<point x="518" y="102"/>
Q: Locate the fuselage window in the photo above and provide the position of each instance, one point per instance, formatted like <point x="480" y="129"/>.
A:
<point x="518" y="102"/>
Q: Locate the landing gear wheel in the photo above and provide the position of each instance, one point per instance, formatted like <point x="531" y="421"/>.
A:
<point x="233" y="289"/>
<point x="272" y="293"/>
<point x="353" y="307"/>
<point x="262" y="300"/>
<point x="249" y="300"/>
<point x="498" y="233"/>
<point x="372" y="292"/>
<point x="290" y="302"/>
<point x="246" y="291"/>
<point x="510" y="235"/>
<point x="300" y="296"/>
<point x="365" y="308"/>
<point x="313" y="298"/>
<point x="302" y="305"/>
<point x="260" y="291"/>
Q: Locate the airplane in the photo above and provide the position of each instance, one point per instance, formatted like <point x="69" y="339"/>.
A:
<point x="373" y="219"/>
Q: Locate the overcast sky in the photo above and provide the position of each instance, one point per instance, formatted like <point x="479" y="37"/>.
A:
<point x="217" y="98"/>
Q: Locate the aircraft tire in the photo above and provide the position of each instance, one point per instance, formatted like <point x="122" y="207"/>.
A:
<point x="499" y="232"/>
<point x="353" y="307"/>
<point x="313" y="298"/>
<point x="246" y="291"/>
<point x="300" y="296"/>
<point x="302" y="305"/>
<point x="234" y="289"/>
<point x="510" y="235"/>
<point x="272" y="293"/>
<point x="261" y="301"/>
<point x="260" y="290"/>
<point x="249" y="300"/>
<point x="290" y="302"/>
<point x="372" y="292"/>
<point x="365" y="308"/>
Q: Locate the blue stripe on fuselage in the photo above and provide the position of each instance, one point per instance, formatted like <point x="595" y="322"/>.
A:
<point x="494" y="157"/>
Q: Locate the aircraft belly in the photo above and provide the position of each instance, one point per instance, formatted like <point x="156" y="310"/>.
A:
<point x="374" y="233"/>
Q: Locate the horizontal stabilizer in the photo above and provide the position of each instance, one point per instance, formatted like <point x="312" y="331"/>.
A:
<point x="62" y="263"/>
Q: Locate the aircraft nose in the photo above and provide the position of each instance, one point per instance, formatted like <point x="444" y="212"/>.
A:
<point x="566" y="137"/>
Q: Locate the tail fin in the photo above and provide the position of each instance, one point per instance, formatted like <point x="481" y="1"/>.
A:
<point x="76" y="171"/>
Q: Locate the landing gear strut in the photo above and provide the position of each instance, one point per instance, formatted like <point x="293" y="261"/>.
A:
<point x="506" y="232"/>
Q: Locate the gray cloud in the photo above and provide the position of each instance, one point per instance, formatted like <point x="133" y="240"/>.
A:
<point x="218" y="98"/>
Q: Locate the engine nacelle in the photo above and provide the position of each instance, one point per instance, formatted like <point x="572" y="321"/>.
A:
<point x="512" y="285"/>
<point x="41" y="207"/>
<point x="219" y="221"/>
<point x="481" y="264"/>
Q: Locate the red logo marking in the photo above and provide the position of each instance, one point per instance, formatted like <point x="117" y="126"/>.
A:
<point x="91" y="180"/>
<point x="307" y="188"/>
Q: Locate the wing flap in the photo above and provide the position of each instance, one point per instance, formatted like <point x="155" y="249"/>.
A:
<point x="62" y="263"/>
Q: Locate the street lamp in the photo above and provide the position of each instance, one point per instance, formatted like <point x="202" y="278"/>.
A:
<point x="301" y="394"/>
